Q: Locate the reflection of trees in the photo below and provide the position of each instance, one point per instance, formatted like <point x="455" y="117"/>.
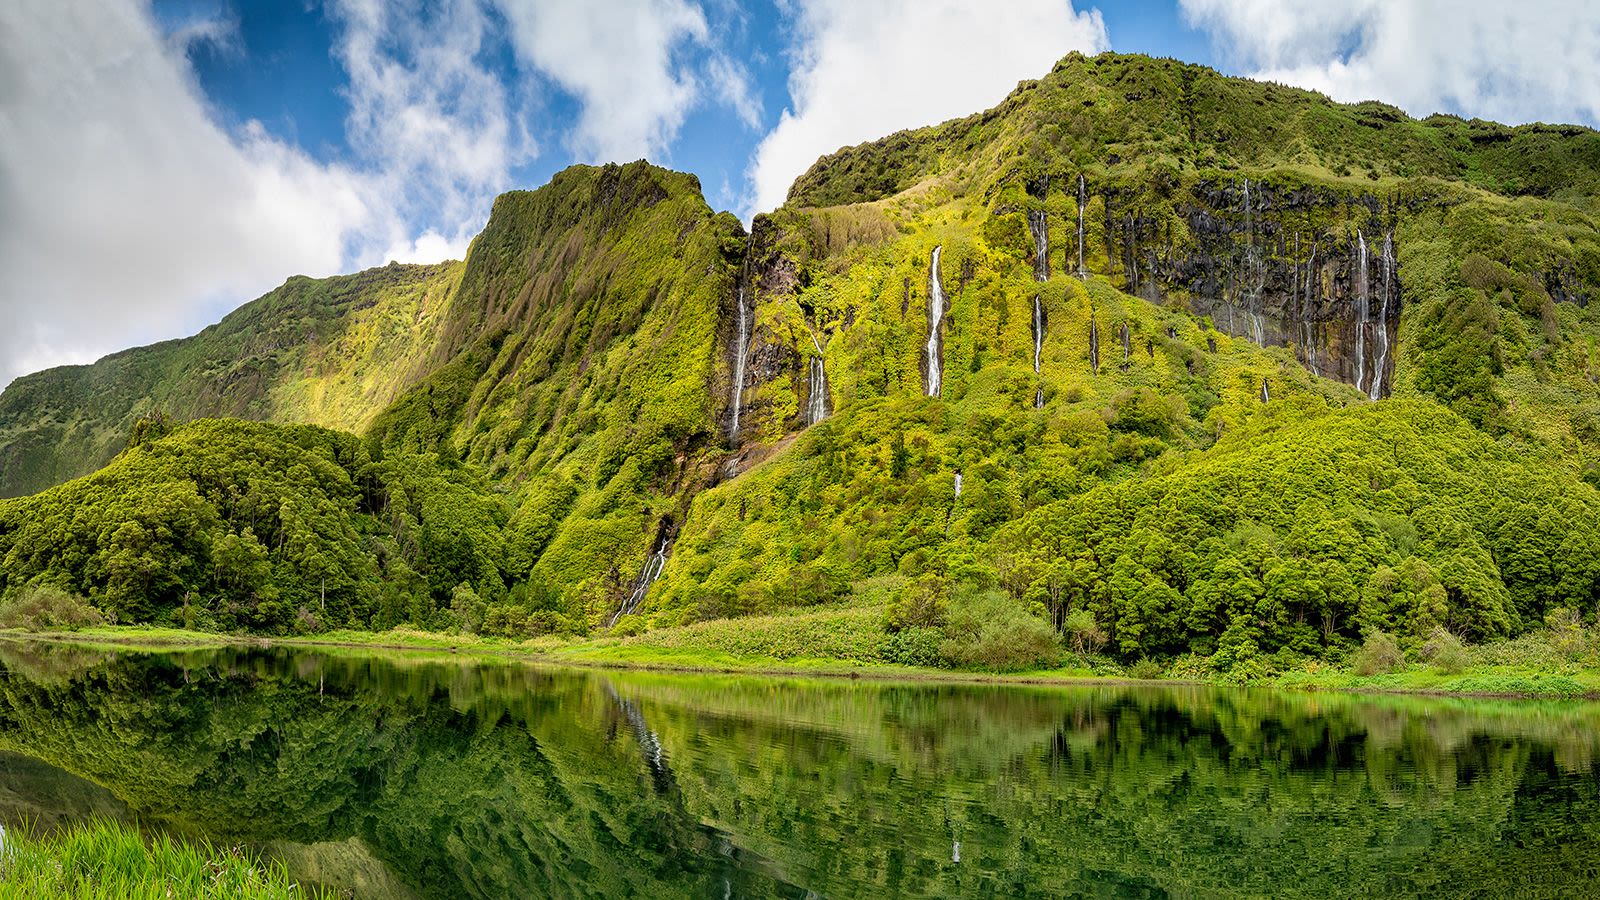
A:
<point x="497" y="780"/>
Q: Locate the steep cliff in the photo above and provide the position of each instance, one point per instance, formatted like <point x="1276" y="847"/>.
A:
<point x="1316" y="367"/>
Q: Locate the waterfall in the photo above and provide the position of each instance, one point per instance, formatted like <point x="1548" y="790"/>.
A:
<point x="1258" y="329"/>
<point x="1362" y="309"/>
<point x="1039" y="227"/>
<point x="1083" y="200"/>
<point x="1094" y="344"/>
<point x="1038" y="348"/>
<point x="935" y="316"/>
<point x="1126" y="343"/>
<point x="958" y="484"/>
<point x="1265" y="394"/>
<point x="650" y="574"/>
<point x="816" y="386"/>
<point x="1383" y="318"/>
<point x="1249" y="224"/>
<point x="1041" y="272"/>
<point x="1306" y="310"/>
<point x="741" y="348"/>
<point x="1038" y="331"/>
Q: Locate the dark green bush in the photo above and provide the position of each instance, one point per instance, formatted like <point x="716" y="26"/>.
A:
<point x="914" y="646"/>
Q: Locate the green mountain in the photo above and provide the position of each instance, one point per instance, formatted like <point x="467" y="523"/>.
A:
<point x="1171" y="361"/>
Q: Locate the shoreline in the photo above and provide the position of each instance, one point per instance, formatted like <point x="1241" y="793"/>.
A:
<point x="425" y="643"/>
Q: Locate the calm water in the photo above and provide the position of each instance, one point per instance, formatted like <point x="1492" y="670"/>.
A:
<point x="403" y="778"/>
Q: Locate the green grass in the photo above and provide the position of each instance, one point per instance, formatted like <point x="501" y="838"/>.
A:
<point x="95" y="860"/>
<point x="844" y="642"/>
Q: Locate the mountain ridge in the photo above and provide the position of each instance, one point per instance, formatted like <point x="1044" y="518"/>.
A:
<point x="625" y="411"/>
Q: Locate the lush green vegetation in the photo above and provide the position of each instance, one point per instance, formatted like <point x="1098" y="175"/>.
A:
<point x="331" y="351"/>
<point x="103" y="860"/>
<point x="522" y="430"/>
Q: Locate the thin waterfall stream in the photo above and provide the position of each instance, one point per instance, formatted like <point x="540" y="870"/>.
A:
<point x="935" y="317"/>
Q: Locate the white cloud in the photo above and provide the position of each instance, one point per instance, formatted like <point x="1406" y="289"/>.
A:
<point x="125" y="207"/>
<point x="130" y="215"/>
<point x="622" y="60"/>
<point x="864" y="70"/>
<point x="1512" y="62"/>
<point x="437" y="128"/>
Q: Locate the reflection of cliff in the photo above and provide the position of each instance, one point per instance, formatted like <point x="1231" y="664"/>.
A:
<point x="501" y="780"/>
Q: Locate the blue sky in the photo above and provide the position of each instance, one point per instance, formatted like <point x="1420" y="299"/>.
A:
<point x="163" y="161"/>
<point x="273" y="62"/>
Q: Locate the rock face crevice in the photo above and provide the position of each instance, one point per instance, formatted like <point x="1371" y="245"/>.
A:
<point x="1283" y="266"/>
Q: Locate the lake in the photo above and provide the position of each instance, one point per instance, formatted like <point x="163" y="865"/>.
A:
<point x="396" y="776"/>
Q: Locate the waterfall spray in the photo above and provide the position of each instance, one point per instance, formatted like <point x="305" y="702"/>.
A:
<point x="1383" y="318"/>
<point x="1083" y="201"/>
<point x="1363" y="304"/>
<point x="1094" y="344"/>
<point x="935" y="316"/>
<point x="817" y="386"/>
<point x="741" y="348"/>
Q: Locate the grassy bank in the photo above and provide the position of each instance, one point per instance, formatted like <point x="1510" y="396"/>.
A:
<point x="106" y="860"/>
<point x="845" y="643"/>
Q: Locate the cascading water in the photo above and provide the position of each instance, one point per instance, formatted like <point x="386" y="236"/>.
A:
<point x="1039" y="227"/>
<point x="1038" y="331"/>
<point x="1041" y="272"/>
<point x="1083" y="201"/>
<point x="1383" y="318"/>
<point x="935" y="316"/>
<point x="1127" y="345"/>
<point x="817" y="386"/>
<point x="741" y="348"/>
<point x="650" y="574"/>
<point x="1266" y="395"/>
<point x="1094" y="344"/>
<point x="958" y="484"/>
<point x="1363" y="309"/>
<point x="1306" y="310"/>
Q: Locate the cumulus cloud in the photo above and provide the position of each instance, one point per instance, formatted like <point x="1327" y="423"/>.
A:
<point x="125" y="206"/>
<point x="625" y="62"/>
<point x="437" y="128"/>
<point x="130" y="214"/>
<point x="863" y="70"/>
<point x="1512" y="62"/>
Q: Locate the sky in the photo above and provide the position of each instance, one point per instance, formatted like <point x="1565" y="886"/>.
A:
<point x="163" y="161"/>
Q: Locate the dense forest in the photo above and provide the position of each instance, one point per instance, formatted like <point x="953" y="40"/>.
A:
<point x="1143" y="362"/>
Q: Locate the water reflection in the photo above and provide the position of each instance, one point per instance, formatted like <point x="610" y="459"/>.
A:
<point x="447" y="779"/>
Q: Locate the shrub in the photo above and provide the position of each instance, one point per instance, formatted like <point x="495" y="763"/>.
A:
<point x="918" y="604"/>
<point x="1380" y="654"/>
<point x="45" y="607"/>
<point x="988" y="631"/>
<point x="1445" y="651"/>
<point x="1566" y="632"/>
<point x="1146" y="669"/>
<point x="914" y="646"/>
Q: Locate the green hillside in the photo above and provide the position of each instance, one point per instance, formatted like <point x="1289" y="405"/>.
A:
<point x="329" y="351"/>
<point x="1222" y="370"/>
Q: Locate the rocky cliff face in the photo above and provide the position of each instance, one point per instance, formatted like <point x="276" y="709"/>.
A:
<point x="1280" y="265"/>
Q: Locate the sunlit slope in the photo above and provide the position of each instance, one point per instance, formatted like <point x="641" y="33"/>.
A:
<point x="329" y="351"/>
